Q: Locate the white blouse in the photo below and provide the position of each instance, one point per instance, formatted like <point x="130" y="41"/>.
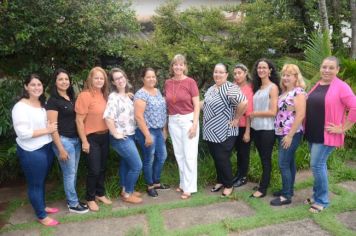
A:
<point x="26" y="119"/>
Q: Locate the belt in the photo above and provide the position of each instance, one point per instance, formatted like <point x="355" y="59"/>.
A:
<point x="101" y="132"/>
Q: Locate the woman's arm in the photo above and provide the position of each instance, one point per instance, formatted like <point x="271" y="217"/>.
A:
<point x="140" y="106"/>
<point x="196" y="104"/>
<point x="247" y="135"/>
<point x="300" y="106"/>
<point x="79" y="120"/>
<point x="52" y="116"/>
<point x="272" y="111"/>
<point x="240" y="110"/>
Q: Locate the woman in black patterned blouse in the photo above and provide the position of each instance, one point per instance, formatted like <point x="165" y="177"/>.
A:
<point x="224" y="104"/>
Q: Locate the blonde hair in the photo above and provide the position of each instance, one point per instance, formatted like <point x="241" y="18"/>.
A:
<point x="89" y="82"/>
<point x="294" y="70"/>
<point x="178" y="58"/>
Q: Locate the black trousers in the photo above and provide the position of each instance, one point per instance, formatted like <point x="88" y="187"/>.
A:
<point x="221" y="153"/>
<point x="96" y="164"/>
<point x="264" y="141"/>
<point x="242" y="154"/>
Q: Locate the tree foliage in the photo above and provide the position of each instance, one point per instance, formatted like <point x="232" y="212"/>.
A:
<point x="45" y="34"/>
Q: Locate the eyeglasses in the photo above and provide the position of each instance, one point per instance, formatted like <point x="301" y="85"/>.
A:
<point x="118" y="78"/>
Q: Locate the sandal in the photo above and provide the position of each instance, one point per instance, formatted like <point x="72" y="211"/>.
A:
<point x="308" y="201"/>
<point x="185" y="196"/>
<point x="179" y="190"/>
<point x="316" y="209"/>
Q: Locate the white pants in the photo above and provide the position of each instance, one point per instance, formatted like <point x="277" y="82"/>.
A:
<point x="185" y="150"/>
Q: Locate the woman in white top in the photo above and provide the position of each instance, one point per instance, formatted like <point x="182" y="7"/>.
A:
<point x="34" y="145"/>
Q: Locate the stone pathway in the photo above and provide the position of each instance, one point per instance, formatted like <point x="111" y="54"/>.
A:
<point x="175" y="215"/>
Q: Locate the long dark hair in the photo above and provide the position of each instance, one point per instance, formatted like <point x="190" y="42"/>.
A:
<point x="28" y="80"/>
<point x="274" y="77"/>
<point x="54" y="90"/>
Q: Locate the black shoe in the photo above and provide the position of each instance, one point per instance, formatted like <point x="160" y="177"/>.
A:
<point x="240" y="182"/>
<point x="162" y="186"/>
<point x="278" y="202"/>
<point x="78" y="209"/>
<point x="152" y="192"/>
<point x="277" y="193"/>
<point x="216" y="189"/>
<point x="236" y="178"/>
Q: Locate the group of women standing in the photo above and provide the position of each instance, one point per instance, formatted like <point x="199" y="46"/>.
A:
<point x="233" y="115"/>
<point x="279" y="110"/>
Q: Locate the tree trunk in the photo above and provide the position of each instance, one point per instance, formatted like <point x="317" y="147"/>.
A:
<point x="305" y="17"/>
<point x="353" y="28"/>
<point x="324" y="16"/>
<point x="335" y="21"/>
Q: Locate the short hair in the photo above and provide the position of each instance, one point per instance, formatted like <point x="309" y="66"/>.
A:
<point x="178" y="58"/>
<point x="294" y="70"/>
<point x="332" y="58"/>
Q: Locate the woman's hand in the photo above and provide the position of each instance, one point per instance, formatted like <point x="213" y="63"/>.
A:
<point x="52" y="127"/>
<point x="63" y="155"/>
<point x="148" y="141"/>
<point x="286" y="141"/>
<point x="86" y="147"/>
<point x="246" y="138"/>
<point x="235" y="122"/>
<point x="118" y="135"/>
<point x="334" y="129"/>
<point x="192" y="131"/>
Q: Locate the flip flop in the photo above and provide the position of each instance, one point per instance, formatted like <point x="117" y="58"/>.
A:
<point x="314" y="209"/>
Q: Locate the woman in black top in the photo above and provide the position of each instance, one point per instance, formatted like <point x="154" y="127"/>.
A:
<point x="60" y="108"/>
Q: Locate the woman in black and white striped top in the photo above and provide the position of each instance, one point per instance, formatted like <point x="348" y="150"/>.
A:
<point x="224" y="104"/>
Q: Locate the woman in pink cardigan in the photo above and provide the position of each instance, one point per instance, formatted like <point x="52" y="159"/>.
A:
<point x="325" y="125"/>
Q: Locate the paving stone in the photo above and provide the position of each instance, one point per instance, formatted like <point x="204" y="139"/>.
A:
<point x="164" y="196"/>
<point x="295" y="228"/>
<point x="28" y="232"/>
<point x="349" y="185"/>
<point x="303" y="175"/>
<point x="351" y="164"/>
<point x="298" y="198"/>
<point x="348" y="219"/>
<point x="107" y="226"/>
<point x="186" y="217"/>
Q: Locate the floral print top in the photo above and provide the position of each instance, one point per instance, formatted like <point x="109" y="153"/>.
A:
<point x="120" y="108"/>
<point x="286" y="112"/>
<point x="156" y="110"/>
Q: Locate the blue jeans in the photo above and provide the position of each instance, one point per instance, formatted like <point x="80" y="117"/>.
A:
<point x="130" y="165"/>
<point x="69" y="167"/>
<point x="154" y="156"/>
<point x="286" y="162"/>
<point x="36" y="165"/>
<point x="318" y="162"/>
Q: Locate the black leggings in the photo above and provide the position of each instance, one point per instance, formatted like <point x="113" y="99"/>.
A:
<point x="242" y="154"/>
<point x="264" y="141"/>
<point x="221" y="153"/>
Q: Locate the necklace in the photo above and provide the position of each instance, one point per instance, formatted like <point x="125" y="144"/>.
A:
<point x="175" y="91"/>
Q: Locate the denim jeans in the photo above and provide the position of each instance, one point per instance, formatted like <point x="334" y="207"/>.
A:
<point x="130" y="165"/>
<point x="69" y="167"/>
<point x="318" y="162"/>
<point x="154" y="156"/>
<point x="286" y="162"/>
<point x="36" y="165"/>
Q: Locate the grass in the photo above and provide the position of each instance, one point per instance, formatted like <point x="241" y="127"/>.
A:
<point x="264" y="214"/>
